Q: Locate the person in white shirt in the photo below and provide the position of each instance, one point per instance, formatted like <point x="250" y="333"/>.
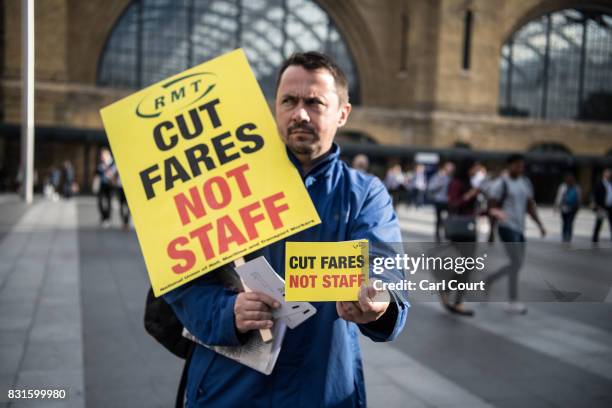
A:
<point x="361" y="163"/>
<point x="395" y="181"/>
<point x="437" y="191"/>
<point x="419" y="184"/>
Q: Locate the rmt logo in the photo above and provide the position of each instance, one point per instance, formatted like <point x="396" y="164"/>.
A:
<point x="175" y="94"/>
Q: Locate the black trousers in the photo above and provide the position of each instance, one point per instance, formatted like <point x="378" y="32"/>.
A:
<point x="599" y="222"/>
<point x="124" y="210"/>
<point x="440" y="209"/>
<point x="466" y="249"/>
<point x="104" y="201"/>
<point x="567" y="220"/>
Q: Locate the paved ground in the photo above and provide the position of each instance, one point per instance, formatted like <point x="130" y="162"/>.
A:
<point x="72" y="296"/>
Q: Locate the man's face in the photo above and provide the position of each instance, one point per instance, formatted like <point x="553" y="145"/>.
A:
<point x="309" y="111"/>
<point x="516" y="168"/>
<point x="607" y="174"/>
<point x="105" y="156"/>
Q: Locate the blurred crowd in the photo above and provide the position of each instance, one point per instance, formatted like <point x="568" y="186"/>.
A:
<point x="421" y="185"/>
<point x="463" y="191"/>
<point x="59" y="182"/>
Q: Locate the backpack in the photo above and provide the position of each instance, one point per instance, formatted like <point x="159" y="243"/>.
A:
<point x="161" y="322"/>
<point x="570" y="198"/>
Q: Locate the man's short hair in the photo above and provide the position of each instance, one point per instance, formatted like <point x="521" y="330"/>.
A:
<point x="513" y="158"/>
<point x="313" y="60"/>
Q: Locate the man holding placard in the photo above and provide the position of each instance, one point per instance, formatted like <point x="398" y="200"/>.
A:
<point x="319" y="363"/>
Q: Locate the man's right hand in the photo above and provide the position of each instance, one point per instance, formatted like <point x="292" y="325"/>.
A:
<point x="253" y="311"/>
<point x="498" y="214"/>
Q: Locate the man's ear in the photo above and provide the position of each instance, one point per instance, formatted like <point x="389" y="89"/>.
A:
<point x="344" y="114"/>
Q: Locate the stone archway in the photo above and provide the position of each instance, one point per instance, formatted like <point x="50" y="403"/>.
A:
<point x="360" y="40"/>
<point x="90" y="24"/>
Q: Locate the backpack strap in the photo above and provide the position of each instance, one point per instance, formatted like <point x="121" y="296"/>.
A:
<point x="504" y="194"/>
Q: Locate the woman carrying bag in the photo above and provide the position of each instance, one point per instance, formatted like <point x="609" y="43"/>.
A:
<point x="463" y="192"/>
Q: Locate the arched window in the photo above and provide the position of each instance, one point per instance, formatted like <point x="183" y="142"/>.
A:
<point x="559" y="66"/>
<point x="154" y="39"/>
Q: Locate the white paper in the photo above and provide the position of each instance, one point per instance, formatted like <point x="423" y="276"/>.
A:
<point x="254" y="353"/>
<point x="259" y="276"/>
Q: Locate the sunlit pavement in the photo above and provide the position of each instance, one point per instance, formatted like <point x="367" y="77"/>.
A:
<point x="72" y="297"/>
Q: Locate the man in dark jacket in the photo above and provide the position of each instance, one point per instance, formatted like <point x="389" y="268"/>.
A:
<point x="319" y="364"/>
<point x="602" y="196"/>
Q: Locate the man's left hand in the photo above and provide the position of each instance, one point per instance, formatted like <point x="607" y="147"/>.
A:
<point x="542" y="230"/>
<point x="363" y="311"/>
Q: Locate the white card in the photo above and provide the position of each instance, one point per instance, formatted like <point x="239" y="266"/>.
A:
<point x="294" y="320"/>
<point x="259" y="276"/>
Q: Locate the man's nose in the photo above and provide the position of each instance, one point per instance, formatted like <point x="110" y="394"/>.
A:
<point x="300" y="114"/>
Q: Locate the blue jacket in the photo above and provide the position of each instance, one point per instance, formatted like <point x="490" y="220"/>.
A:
<point x="320" y="363"/>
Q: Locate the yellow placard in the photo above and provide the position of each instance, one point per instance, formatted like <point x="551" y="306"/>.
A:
<point x="206" y="175"/>
<point x="325" y="271"/>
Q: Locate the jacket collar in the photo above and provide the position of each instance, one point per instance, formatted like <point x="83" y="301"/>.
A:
<point x="322" y="167"/>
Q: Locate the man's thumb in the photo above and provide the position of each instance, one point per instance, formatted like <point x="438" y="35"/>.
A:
<point x="371" y="293"/>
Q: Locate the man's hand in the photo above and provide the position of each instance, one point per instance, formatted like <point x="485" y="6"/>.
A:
<point x="542" y="230"/>
<point x="498" y="213"/>
<point x="253" y="311"/>
<point x="363" y="311"/>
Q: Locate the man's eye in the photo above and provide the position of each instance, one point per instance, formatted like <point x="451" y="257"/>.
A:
<point x="288" y="101"/>
<point x="314" y="102"/>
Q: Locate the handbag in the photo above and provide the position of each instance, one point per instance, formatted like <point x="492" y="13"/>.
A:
<point x="460" y="228"/>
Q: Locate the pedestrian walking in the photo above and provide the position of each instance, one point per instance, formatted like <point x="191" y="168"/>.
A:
<point x="419" y="185"/>
<point x="361" y="163"/>
<point x="461" y="228"/>
<point x="124" y="210"/>
<point x="602" y="197"/>
<point x="486" y="184"/>
<point x="68" y="179"/>
<point x="52" y="184"/>
<point x="437" y="191"/>
<point x="395" y="181"/>
<point x="567" y="202"/>
<point x="106" y="173"/>
<point x="512" y="198"/>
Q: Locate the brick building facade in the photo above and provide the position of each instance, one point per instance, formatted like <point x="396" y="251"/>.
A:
<point x="415" y="87"/>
